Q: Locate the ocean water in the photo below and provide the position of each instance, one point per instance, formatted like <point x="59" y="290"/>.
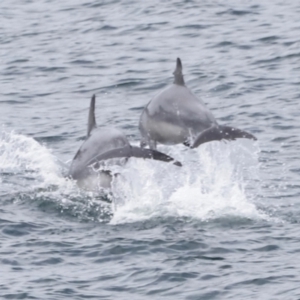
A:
<point x="224" y="226"/>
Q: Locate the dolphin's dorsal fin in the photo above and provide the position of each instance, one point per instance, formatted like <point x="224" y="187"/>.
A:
<point x="91" y="121"/>
<point x="178" y="77"/>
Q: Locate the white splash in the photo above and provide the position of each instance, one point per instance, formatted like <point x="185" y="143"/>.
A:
<point x="210" y="185"/>
<point x="29" y="169"/>
<point x="213" y="182"/>
<point x="22" y="153"/>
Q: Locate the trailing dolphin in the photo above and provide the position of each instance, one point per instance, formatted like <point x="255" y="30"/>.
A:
<point x="177" y="116"/>
<point x="104" y="144"/>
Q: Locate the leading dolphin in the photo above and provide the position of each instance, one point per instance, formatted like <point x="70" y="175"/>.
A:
<point x="177" y="116"/>
<point x="103" y="144"/>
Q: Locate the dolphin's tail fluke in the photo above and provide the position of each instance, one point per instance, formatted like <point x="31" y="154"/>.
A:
<point x="218" y="133"/>
<point x="132" y="151"/>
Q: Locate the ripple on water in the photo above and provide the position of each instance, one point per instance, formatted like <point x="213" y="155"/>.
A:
<point x="224" y="226"/>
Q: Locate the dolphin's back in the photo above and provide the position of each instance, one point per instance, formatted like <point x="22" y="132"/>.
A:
<point x="176" y="113"/>
<point x="181" y="102"/>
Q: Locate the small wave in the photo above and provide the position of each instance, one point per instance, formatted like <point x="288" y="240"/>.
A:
<point x="279" y="58"/>
<point x="236" y="12"/>
<point x="268" y="39"/>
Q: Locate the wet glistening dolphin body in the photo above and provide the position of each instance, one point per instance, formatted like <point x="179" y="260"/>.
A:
<point x="104" y="144"/>
<point x="177" y="116"/>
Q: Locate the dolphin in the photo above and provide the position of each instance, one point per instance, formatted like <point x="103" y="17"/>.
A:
<point x="177" y="116"/>
<point x="103" y="144"/>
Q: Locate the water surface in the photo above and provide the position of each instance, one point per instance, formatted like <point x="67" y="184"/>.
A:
<point x="225" y="226"/>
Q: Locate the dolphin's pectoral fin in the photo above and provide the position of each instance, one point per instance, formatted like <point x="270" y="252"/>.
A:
<point x="218" y="133"/>
<point x="131" y="151"/>
<point x="211" y="134"/>
<point x="232" y="133"/>
<point x="153" y="154"/>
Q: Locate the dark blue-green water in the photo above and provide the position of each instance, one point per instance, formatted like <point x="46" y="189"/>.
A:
<point x="224" y="226"/>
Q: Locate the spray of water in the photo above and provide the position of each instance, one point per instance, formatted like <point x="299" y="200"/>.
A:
<point x="29" y="172"/>
<point x="20" y="154"/>
<point x="211" y="184"/>
<point x="216" y="181"/>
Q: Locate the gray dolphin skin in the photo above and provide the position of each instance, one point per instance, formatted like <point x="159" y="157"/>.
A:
<point x="102" y="144"/>
<point x="177" y="116"/>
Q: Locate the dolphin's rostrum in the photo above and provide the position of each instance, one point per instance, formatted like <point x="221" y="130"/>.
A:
<point x="101" y="145"/>
<point x="177" y="116"/>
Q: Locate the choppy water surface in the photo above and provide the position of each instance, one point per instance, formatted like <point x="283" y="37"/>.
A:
<point x="225" y="226"/>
